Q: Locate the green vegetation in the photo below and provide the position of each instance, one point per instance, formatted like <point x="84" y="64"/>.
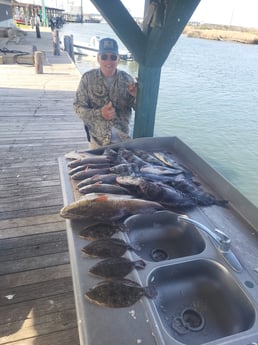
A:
<point x="222" y="33"/>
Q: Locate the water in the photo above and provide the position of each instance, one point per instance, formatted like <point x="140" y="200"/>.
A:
<point x="208" y="97"/>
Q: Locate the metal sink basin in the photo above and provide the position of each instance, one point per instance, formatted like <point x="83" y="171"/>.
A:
<point x="160" y="236"/>
<point x="199" y="301"/>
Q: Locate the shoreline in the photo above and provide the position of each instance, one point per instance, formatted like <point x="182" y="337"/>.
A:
<point x="222" y="33"/>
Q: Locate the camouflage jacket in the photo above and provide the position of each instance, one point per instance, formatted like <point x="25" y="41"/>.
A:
<point x="93" y="93"/>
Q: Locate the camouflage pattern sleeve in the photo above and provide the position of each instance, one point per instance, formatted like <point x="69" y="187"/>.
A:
<point x="82" y="102"/>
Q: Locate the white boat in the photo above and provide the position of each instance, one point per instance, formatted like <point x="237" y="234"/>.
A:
<point x="91" y="49"/>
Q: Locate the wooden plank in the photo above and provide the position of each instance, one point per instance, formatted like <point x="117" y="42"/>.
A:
<point x="36" y="262"/>
<point x="33" y="222"/>
<point x="20" y="231"/>
<point x="32" y="246"/>
<point x="66" y="337"/>
<point x="39" y="325"/>
<point x="40" y="306"/>
<point x="32" y="202"/>
<point x="11" y="280"/>
<point x="29" y="292"/>
<point x="37" y="211"/>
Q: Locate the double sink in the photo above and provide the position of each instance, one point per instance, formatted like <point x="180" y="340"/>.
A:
<point x="204" y="294"/>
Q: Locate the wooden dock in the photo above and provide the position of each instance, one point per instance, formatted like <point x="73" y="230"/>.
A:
<point x="37" y="125"/>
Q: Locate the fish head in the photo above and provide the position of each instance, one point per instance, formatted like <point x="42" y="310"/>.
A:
<point x="79" y="208"/>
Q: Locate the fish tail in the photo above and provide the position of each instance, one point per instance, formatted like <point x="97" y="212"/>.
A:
<point x="139" y="264"/>
<point x="150" y="291"/>
<point x="223" y="203"/>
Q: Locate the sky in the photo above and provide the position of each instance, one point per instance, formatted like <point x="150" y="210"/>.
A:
<point x="228" y="12"/>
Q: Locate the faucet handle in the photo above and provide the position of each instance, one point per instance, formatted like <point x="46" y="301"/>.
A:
<point x="224" y="240"/>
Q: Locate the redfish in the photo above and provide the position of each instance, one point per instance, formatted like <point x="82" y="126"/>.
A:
<point x="109" y="207"/>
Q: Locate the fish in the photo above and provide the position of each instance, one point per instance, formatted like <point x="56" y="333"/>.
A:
<point x="165" y="158"/>
<point x="99" y="187"/>
<point x="81" y="175"/>
<point x="165" y="195"/>
<point x="128" y="180"/>
<point x="160" y="170"/>
<point x="125" y="169"/>
<point x="101" y="230"/>
<point x="116" y="267"/>
<point x="104" y="207"/>
<point x="89" y="159"/>
<point x="119" y="293"/>
<point x="85" y="167"/>
<point x="168" y="160"/>
<point x="106" y="248"/>
<point x="75" y="155"/>
<point x="158" y="178"/>
<point x="148" y="158"/>
<point x="131" y="157"/>
<point x="106" y="178"/>
<point x="194" y="190"/>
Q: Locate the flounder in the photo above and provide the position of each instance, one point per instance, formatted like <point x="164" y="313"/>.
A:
<point x="106" y="248"/>
<point x="101" y="230"/>
<point x="116" y="267"/>
<point x="119" y="293"/>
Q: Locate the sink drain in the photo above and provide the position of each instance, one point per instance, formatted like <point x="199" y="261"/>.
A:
<point x="178" y="325"/>
<point x="192" y="319"/>
<point x="159" y="254"/>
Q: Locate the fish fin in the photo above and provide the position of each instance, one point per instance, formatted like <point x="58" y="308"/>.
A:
<point x="139" y="264"/>
<point x="150" y="291"/>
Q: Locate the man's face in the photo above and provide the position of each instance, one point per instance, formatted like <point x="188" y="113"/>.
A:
<point x="108" y="63"/>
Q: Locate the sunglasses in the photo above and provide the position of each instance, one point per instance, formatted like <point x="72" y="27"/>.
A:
<point x="105" y="57"/>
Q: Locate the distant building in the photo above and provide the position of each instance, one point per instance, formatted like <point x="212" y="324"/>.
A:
<point x="24" y="11"/>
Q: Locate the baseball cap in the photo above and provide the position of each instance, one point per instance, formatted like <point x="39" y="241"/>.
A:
<point x="108" y="45"/>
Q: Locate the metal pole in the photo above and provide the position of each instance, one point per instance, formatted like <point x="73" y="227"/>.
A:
<point x="44" y="19"/>
<point x="81" y="12"/>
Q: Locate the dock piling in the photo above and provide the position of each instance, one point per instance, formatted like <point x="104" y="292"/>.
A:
<point x="56" y="42"/>
<point x="39" y="61"/>
<point x="68" y="45"/>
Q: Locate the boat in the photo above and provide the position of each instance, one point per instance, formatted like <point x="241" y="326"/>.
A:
<point x="91" y="49"/>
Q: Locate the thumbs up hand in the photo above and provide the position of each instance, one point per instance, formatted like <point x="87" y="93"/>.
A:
<point x="108" y="111"/>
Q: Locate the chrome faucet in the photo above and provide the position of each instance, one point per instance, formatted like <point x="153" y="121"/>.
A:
<point x="221" y="241"/>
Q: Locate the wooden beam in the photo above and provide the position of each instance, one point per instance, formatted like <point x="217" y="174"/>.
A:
<point x="123" y="25"/>
<point x="147" y="95"/>
<point x="162" y="39"/>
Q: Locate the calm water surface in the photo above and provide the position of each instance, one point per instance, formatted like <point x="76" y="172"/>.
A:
<point x="208" y="97"/>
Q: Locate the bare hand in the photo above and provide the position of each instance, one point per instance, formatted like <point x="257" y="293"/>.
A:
<point x="132" y="88"/>
<point x="108" y="111"/>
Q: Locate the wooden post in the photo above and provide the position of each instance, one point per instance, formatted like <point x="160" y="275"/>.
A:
<point x="68" y="46"/>
<point x="56" y="43"/>
<point x="146" y="103"/>
<point x="71" y="52"/>
<point x="39" y="61"/>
